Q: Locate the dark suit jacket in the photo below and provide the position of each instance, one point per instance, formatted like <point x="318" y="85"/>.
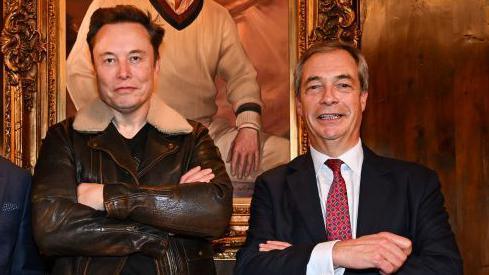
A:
<point x="18" y="253"/>
<point x="395" y="196"/>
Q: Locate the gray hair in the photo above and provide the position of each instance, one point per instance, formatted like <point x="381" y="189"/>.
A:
<point x="326" y="47"/>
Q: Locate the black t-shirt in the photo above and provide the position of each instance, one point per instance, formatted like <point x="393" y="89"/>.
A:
<point x="138" y="263"/>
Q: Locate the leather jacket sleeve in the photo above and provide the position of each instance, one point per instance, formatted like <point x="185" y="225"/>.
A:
<point x="193" y="209"/>
<point x="64" y="227"/>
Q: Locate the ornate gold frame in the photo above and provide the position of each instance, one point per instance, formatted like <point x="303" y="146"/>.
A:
<point x="34" y="93"/>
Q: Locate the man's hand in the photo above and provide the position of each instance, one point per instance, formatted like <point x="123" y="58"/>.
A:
<point x="91" y="194"/>
<point x="385" y="251"/>
<point x="273" y="245"/>
<point x="197" y="174"/>
<point x="244" y="153"/>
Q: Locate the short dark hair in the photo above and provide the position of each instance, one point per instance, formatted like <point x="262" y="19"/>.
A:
<point x="326" y="47"/>
<point x="125" y="14"/>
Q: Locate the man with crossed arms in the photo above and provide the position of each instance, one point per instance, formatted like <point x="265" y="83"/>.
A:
<point x="340" y="208"/>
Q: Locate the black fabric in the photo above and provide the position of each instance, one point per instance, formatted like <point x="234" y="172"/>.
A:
<point x="138" y="264"/>
<point x="137" y="144"/>
<point x="249" y="107"/>
<point x="178" y="21"/>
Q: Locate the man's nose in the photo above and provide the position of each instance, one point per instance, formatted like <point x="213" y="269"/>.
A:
<point x="329" y="95"/>
<point x="124" y="70"/>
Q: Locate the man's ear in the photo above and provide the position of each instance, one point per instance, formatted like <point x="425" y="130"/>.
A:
<point x="157" y="66"/>
<point x="363" y="99"/>
<point x="298" y="105"/>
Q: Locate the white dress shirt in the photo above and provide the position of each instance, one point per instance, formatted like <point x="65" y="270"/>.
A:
<point x="321" y="260"/>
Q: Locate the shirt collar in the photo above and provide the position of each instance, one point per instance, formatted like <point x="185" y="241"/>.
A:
<point x="183" y="5"/>
<point x="353" y="158"/>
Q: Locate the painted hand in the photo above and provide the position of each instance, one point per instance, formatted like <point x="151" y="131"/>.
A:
<point x="244" y="153"/>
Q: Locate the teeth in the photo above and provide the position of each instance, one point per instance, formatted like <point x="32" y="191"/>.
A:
<point x="329" y="116"/>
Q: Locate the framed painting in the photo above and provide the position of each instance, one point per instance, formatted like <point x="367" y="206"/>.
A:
<point x="37" y="37"/>
<point x="262" y="27"/>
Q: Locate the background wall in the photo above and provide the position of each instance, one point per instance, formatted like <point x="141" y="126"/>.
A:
<point x="429" y="102"/>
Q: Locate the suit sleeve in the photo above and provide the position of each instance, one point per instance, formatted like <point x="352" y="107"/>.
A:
<point x="62" y="226"/>
<point x="194" y="209"/>
<point x="434" y="248"/>
<point x="25" y="258"/>
<point x="292" y="260"/>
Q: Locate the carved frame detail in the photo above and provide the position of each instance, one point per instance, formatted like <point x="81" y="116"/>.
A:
<point x="29" y="44"/>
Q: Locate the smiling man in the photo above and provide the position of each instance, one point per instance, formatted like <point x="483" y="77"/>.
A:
<point x="340" y="208"/>
<point x="129" y="186"/>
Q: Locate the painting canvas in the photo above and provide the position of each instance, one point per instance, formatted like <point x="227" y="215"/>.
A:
<point x="264" y="35"/>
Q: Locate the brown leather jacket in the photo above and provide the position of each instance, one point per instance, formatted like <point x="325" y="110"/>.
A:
<point x="147" y="211"/>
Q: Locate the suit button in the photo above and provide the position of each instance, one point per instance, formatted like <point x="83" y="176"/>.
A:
<point x="200" y="253"/>
<point x="170" y="145"/>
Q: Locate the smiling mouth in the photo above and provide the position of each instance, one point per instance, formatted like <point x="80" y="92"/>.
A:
<point x="330" y="116"/>
<point x="121" y="89"/>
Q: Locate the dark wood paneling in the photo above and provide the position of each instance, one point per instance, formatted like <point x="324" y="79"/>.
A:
<point x="429" y="102"/>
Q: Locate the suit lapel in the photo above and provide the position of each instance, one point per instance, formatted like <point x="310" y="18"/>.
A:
<point x="375" y="193"/>
<point x="303" y="189"/>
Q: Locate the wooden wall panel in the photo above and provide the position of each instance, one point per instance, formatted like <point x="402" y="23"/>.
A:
<point x="429" y="102"/>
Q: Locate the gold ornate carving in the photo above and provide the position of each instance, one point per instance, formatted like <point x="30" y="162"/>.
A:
<point x="301" y="27"/>
<point x="227" y="255"/>
<point x="336" y="21"/>
<point x="30" y="44"/>
<point x="52" y="68"/>
<point x="23" y="49"/>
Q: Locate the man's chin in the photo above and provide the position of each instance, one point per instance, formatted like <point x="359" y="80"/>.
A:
<point x="125" y="108"/>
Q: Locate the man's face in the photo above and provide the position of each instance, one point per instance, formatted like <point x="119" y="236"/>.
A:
<point x="124" y="63"/>
<point x="331" y="102"/>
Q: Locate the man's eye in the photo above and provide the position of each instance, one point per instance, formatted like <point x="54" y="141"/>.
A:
<point x="109" y="60"/>
<point x="344" y="86"/>
<point x="313" y="87"/>
<point x="134" y="59"/>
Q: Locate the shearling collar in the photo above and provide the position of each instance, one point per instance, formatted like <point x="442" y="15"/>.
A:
<point x="96" y="116"/>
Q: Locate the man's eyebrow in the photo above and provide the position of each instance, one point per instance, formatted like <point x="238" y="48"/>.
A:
<point x="137" y="51"/>
<point x="107" y="53"/>
<point x="131" y="52"/>
<point x="343" y="76"/>
<point x="312" y="78"/>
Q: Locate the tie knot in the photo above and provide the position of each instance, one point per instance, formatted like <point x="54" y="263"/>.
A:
<point x="334" y="164"/>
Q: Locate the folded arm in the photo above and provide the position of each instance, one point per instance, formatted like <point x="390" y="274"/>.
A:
<point x="200" y="209"/>
<point x="253" y="260"/>
<point x="62" y="226"/>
